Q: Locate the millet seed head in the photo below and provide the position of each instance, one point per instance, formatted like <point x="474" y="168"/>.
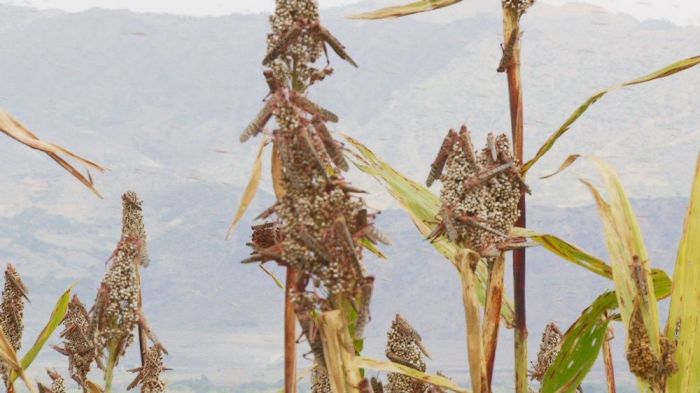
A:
<point x="481" y="191"/>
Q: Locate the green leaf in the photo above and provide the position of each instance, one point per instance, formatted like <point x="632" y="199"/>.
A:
<point x="662" y="73"/>
<point x="369" y="246"/>
<point x="272" y="276"/>
<point x="567" y="251"/>
<point x="422" y="206"/>
<point x="57" y="315"/>
<point x="383" y="365"/>
<point x="404" y="10"/>
<point x="579" y="348"/>
<point x="630" y="262"/>
<point x="625" y="244"/>
<point x="683" y="316"/>
<point x="581" y="344"/>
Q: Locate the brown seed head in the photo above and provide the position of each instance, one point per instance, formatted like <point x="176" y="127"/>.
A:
<point x="480" y="194"/>
<point x="77" y="341"/>
<point x="132" y="222"/>
<point x="404" y="347"/>
<point x="549" y="349"/>
<point x="149" y="376"/>
<point x="14" y="295"/>
<point x="642" y="361"/>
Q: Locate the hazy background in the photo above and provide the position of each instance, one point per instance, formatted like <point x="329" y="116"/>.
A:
<point x="161" y="99"/>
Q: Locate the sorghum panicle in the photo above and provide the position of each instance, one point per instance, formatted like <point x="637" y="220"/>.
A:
<point x="404" y="346"/>
<point x="14" y="295"/>
<point x="305" y="50"/>
<point x="480" y="192"/>
<point x="132" y="222"/>
<point x="549" y="349"/>
<point x="642" y="361"/>
<point x="115" y="313"/>
<point x="57" y="383"/>
<point x="77" y="341"/>
<point x="149" y="376"/>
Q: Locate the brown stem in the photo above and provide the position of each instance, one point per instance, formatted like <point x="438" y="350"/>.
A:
<point x="290" y="325"/>
<point x="143" y="343"/>
<point x="511" y="31"/>
<point x="608" y="360"/>
<point x="492" y="317"/>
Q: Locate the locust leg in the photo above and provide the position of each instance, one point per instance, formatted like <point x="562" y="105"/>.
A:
<point x="487" y="175"/>
<point x="333" y="42"/>
<point x="475" y="222"/>
<point x="491" y="145"/>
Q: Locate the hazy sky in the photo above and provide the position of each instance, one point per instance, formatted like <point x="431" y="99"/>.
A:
<point x="679" y="11"/>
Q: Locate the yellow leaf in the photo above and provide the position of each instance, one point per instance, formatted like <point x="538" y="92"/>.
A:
<point x="16" y="130"/>
<point x="630" y="262"/>
<point x="404" y="10"/>
<point x="250" y="190"/>
<point x="9" y="357"/>
<point x="382" y="365"/>
<point x="683" y="322"/>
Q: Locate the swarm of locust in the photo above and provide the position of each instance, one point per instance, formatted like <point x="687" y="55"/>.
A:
<point x="102" y="335"/>
<point x="405" y="346"/>
<point x="480" y="192"/>
<point x="319" y="224"/>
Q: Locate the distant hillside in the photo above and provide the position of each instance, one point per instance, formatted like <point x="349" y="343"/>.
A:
<point x="161" y="99"/>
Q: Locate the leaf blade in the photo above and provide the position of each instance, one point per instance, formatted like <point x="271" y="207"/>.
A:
<point x="591" y="325"/>
<point x="55" y="320"/>
<point x="17" y="131"/>
<point x="250" y="190"/>
<point x="405" y="10"/>
<point x="682" y="320"/>
<point x="664" y="72"/>
<point x="387" y="366"/>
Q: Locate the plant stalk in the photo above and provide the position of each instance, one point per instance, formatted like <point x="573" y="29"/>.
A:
<point x="339" y="353"/>
<point x="511" y="33"/>
<point x="143" y="339"/>
<point x="290" y="321"/>
<point x="111" y="364"/>
<point x="466" y="262"/>
<point x="608" y="360"/>
<point x="492" y="314"/>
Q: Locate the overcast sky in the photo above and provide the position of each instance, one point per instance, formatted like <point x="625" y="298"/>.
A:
<point x="678" y="11"/>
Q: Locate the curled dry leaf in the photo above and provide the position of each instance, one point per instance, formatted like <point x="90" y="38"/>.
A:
<point x="16" y="130"/>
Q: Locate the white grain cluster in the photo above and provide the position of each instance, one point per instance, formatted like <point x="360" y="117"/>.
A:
<point x="403" y="346"/>
<point x="549" y="349"/>
<point x="492" y="203"/>
<point x="305" y="50"/>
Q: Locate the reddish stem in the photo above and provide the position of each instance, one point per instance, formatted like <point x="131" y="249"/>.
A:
<point x="290" y="348"/>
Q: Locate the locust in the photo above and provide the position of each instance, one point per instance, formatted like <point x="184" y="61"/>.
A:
<point x="316" y="30"/>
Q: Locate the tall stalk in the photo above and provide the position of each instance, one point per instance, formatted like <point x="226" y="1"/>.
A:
<point x="290" y="335"/>
<point x="512" y="11"/>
